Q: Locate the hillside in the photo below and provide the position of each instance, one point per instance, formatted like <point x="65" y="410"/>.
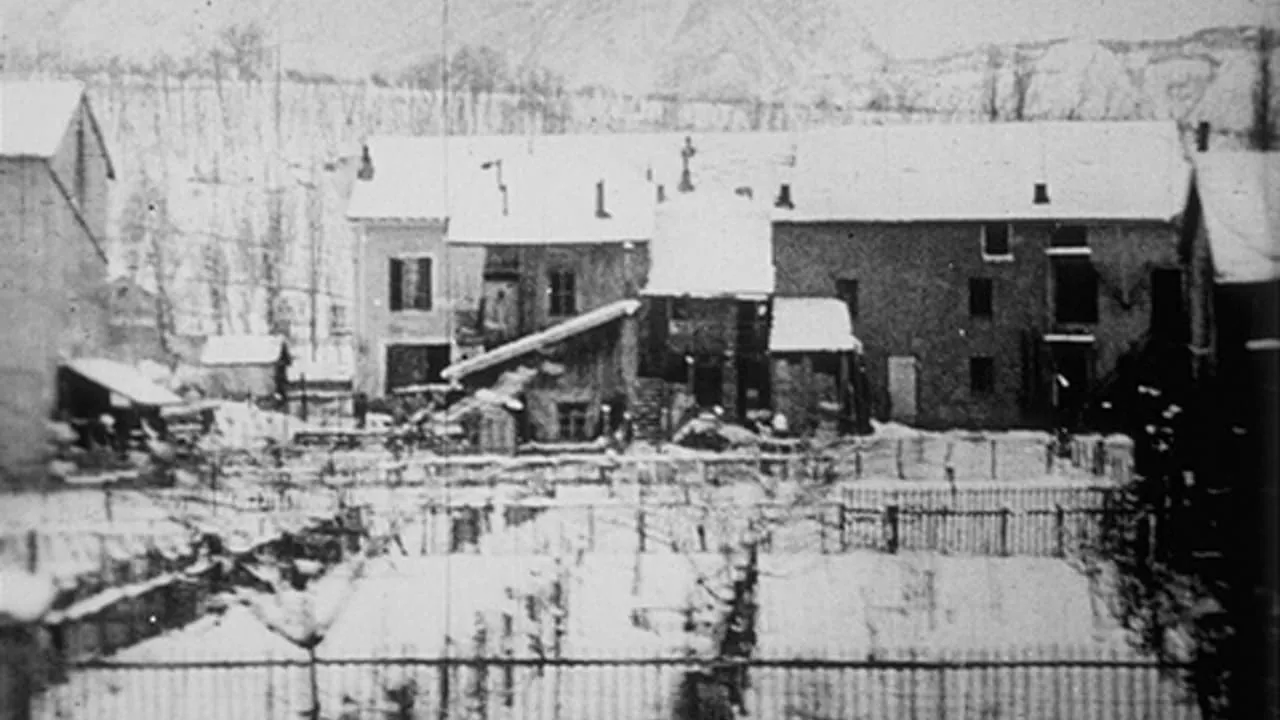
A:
<point x="195" y="141"/>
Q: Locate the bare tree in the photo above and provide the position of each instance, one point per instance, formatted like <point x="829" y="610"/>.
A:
<point x="218" y="278"/>
<point x="274" y="257"/>
<point x="1023" y="71"/>
<point x="146" y="227"/>
<point x="992" y="99"/>
<point x="242" y="46"/>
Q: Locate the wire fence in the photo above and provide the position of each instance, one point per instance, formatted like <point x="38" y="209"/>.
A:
<point x="995" y="685"/>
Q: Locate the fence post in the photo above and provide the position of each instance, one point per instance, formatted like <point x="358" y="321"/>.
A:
<point x="1060" y="521"/>
<point x="33" y="551"/>
<point x="591" y="527"/>
<point x="857" y="463"/>
<point x="1005" y="512"/>
<point x="901" y="472"/>
<point x="942" y="690"/>
<point x="640" y="528"/>
<point x="844" y="530"/>
<point x="995" y="452"/>
<point x="891" y="518"/>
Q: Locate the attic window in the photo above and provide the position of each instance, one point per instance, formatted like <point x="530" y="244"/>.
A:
<point x="995" y="242"/>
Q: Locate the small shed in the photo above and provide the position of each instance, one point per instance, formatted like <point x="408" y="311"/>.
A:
<point x="89" y="388"/>
<point x="816" y="362"/>
<point x="246" y="367"/>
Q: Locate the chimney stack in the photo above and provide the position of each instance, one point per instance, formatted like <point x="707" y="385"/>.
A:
<point x="366" y="164"/>
<point x="600" y="211"/>
<point x="745" y="192"/>
<point x="1041" y="194"/>
<point x="784" y="198"/>
<point x="662" y="194"/>
<point x="1202" y="137"/>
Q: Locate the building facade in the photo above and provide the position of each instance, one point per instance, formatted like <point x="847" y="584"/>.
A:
<point x="54" y="176"/>
<point x="995" y="275"/>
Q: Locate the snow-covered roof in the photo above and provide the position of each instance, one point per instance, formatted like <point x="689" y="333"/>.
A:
<point x="1240" y="198"/>
<point x="711" y="242"/>
<point x="554" y="200"/>
<point x="35" y="114"/>
<point x="123" y="380"/>
<point x="408" y="182"/>
<point x="241" y="350"/>
<point x="811" y="325"/>
<point x="909" y="173"/>
<point x="530" y="343"/>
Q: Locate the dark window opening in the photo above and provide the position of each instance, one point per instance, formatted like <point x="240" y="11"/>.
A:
<point x="847" y="290"/>
<point x="415" y="365"/>
<point x="982" y="374"/>
<point x="1075" y="290"/>
<point x="572" y="420"/>
<point x="981" y="291"/>
<point x="1070" y="236"/>
<point x="562" y="291"/>
<point x="410" y="284"/>
<point x="995" y="240"/>
<point x="708" y="383"/>
<point x="1166" y="303"/>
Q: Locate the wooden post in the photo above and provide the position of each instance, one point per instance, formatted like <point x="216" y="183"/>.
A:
<point x="857" y="463"/>
<point x="901" y="472"/>
<point x="33" y="551"/>
<point x="1060" y="521"/>
<point x="1005" y="512"/>
<point x="303" y="384"/>
<point x="591" y="527"/>
<point x="891" y="519"/>
<point x="844" y="530"/>
<point x="640" y="532"/>
<point x="995" y="475"/>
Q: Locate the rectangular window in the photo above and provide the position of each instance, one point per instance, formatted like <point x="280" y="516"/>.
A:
<point x="410" y="283"/>
<point x="995" y="241"/>
<point x="982" y="374"/>
<point x="338" y="323"/>
<point x="562" y="292"/>
<point x="1075" y="290"/>
<point x="981" y="291"/>
<point x="847" y="290"/>
<point x="572" y="419"/>
<point x="409" y="365"/>
<point x="1070" y="236"/>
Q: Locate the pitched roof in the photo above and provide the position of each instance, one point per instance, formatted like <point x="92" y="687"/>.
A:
<point x="906" y="173"/>
<point x="530" y="343"/>
<point x="1239" y="198"/>
<point x="811" y="325"/>
<point x="408" y="180"/>
<point x="711" y="242"/>
<point x="123" y="380"/>
<point x="34" y="116"/>
<point x="241" y="350"/>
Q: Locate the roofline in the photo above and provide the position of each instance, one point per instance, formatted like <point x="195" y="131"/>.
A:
<point x="546" y="241"/>
<point x="1174" y="219"/>
<point x="97" y="132"/>
<point x="75" y="211"/>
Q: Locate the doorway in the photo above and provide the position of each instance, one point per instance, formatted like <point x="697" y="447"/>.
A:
<point x="1072" y="379"/>
<point x="903" y="388"/>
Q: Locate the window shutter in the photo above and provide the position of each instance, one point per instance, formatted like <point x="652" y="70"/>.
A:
<point x="423" y="299"/>
<point x="397" y="284"/>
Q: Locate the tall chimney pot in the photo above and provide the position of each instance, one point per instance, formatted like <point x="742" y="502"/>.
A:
<point x="600" y="211"/>
<point x="662" y="194"/>
<point x="366" y="164"/>
<point x="1202" y="137"/>
<point x="784" y="198"/>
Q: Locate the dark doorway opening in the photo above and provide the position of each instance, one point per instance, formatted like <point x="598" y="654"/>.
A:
<point x="708" y="382"/>
<point x="1072" y="378"/>
<point x="1166" y="304"/>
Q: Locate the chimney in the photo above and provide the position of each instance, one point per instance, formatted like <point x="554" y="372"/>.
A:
<point x="600" y="211"/>
<point x="648" y="173"/>
<point x="1202" y="137"/>
<point x="1041" y="194"/>
<point x="784" y="198"/>
<point x="366" y="164"/>
<point x="662" y="194"/>
<point x="744" y="192"/>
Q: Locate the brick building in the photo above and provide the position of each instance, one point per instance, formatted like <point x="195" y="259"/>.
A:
<point x="995" y="273"/>
<point x="54" y="175"/>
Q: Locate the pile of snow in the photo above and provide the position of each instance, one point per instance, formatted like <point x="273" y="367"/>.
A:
<point x="25" y="597"/>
